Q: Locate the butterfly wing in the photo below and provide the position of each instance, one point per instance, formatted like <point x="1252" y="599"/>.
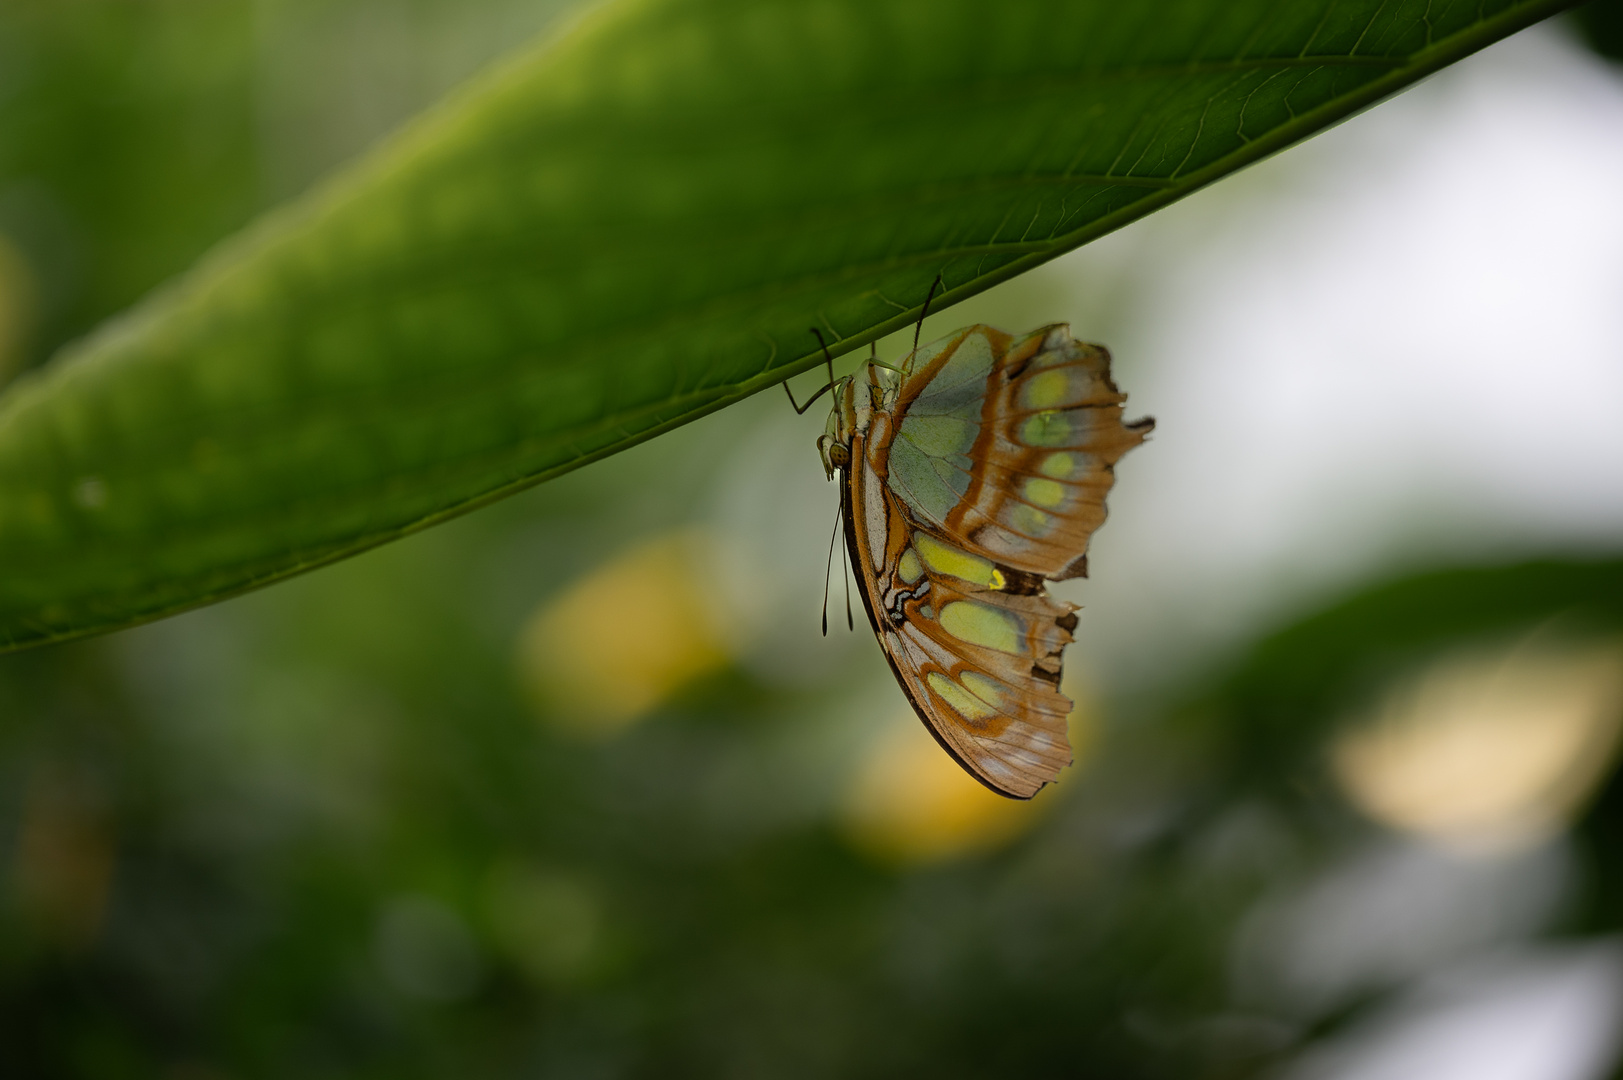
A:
<point x="952" y="571"/>
<point x="1009" y="445"/>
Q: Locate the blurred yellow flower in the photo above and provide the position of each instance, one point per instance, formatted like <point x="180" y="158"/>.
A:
<point x="1489" y="751"/>
<point x="624" y="638"/>
<point x="911" y="803"/>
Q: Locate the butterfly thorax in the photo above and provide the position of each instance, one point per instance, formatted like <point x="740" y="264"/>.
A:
<point x="856" y="397"/>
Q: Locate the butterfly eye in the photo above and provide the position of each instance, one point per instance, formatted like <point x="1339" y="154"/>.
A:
<point x="836" y="455"/>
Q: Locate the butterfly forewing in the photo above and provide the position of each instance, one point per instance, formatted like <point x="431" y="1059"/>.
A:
<point x="984" y="474"/>
<point x="1019" y="471"/>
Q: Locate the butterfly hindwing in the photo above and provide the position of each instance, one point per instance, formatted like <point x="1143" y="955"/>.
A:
<point x="980" y="664"/>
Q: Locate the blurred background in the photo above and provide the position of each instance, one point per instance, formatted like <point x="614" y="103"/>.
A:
<point x="573" y="787"/>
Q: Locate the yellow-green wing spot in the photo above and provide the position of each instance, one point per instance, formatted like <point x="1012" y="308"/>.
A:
<point x="988" y="690"/>
<point x="1052" y="389"/>
<point x="908" y="567"/>
<point x="1069" y="375"/>
<point x="1050" y="428"/>
<point x="962" y="701"/>
<point x="978" y="624"/>
<point x="1061" y="466"/>
<point x="948" y="560"/>
<point x="1043" y="492"/>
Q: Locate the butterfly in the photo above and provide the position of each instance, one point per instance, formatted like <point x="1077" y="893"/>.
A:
<point x="971" y="476"/>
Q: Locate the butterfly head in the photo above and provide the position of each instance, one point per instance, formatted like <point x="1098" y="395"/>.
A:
<point x="855" y="398"/>
<point x="835" y="443"/>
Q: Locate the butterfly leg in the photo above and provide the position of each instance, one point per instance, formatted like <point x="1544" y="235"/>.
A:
<point x="827" y="359"/>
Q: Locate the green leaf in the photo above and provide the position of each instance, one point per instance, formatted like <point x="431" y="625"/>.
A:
<point x="621" y="229"/>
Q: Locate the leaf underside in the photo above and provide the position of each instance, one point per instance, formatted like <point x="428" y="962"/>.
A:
<point x="622" y="228"/>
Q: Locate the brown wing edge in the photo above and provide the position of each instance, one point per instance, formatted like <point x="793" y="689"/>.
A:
<point x="1078" y="567"/>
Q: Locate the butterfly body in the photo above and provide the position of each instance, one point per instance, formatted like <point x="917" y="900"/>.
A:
<point x="970" y="478"/>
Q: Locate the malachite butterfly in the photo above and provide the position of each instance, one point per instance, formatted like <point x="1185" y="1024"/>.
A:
<point x="970" y="477"/>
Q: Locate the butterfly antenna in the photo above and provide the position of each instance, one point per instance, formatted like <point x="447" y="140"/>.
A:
<point x="827" y="359"/>
<point x="828" y="568"/>
<point x="924" y="311"/>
